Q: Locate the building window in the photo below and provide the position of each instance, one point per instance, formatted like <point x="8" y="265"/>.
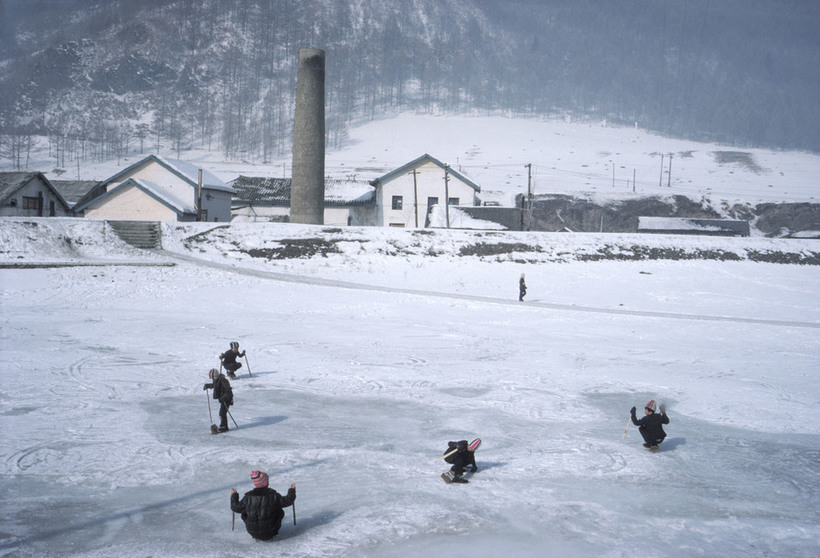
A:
<point x="431" y="201"/>
<point x="453" y="201"/>
<point x="31" y="203"/>
<point x="397" y="225"/>
<point x="398" y="202"/>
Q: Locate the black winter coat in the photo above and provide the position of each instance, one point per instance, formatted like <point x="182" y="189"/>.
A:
<point x="461" y="458"/>
<point x="261" y="510"/>
<point x="222" y="391"/>
<point x="652" y="426"/>
<point x="229" y="356"/>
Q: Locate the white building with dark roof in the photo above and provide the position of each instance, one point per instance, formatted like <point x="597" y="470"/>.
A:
<point x="405" y="196"/>
<point x="159" y="189"/>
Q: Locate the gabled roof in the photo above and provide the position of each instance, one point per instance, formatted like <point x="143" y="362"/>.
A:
<point x="151" y="189"/>
<point x="404" y="169"/>
<point x="74" y="190"/>
<point x="188" y="172"/>
<point x="255" y="190"/>
<point x="13" y="182"/>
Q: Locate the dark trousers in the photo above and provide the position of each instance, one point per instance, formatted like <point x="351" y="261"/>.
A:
<point x="232" y="366"/>
<point x="651" y="440"/>
<point x="223" y="415"/>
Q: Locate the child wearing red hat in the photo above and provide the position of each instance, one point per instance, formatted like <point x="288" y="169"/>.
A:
<point x="651" y="425"/>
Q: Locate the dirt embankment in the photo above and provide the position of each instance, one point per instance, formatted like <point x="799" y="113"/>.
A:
<point x="557" y="212"/>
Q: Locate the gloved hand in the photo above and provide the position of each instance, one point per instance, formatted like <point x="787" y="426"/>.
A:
<point x="243" y="354"/>
<point x="632" y="411"/>
<point x="208" y="386"/>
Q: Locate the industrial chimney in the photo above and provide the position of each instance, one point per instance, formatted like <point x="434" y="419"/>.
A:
<point x="307" y="191"/>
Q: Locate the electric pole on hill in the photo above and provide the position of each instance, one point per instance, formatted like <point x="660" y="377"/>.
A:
<point x="529" y="195"/>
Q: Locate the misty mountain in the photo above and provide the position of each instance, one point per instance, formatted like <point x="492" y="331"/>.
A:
<point x="102" y="79"/>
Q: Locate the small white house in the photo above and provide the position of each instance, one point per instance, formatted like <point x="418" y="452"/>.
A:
<point x="404" y="196"/>
<point x="158" y="189"/>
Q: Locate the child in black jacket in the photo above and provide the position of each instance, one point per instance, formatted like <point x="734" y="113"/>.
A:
<point x="651" y="425"/>
<point x="228" y="359"/>
<point x="261" y="508"/>
<point x="222" y="393"/>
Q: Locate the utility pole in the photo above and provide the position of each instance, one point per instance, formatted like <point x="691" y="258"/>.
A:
<point x="529" y="195"/>
<point x="660" y="180"/>
<point x="199" y="196"/>
<point x="669" y="183"/>
<point x="447" y="193"/>
<point x="633" y="180"/>
<point x="415" y="197"/>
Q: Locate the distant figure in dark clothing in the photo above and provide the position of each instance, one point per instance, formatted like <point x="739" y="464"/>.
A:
<point x="261" y="508"/>
<point x="228" y="359"/>
<point x="522" y="288"/>
<point x="222" y="393"/>
<point x="651" y="425"/>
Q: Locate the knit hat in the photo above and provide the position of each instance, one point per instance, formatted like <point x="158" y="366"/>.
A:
<point x="651" y="406"/>
<point x="259" y="479"/>
<point x="234" y="345"/>
<point x="213" y="374"/>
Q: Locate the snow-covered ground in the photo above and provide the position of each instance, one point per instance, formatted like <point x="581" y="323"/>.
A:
<point x="367" y="361"/>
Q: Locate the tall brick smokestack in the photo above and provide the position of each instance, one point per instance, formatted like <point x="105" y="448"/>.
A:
<point x="307" y="192"/>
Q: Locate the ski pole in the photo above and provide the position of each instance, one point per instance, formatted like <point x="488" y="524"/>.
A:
<point x="293" y="505"/>
<point x="627" y="428"/>
<point x="210" y="415"/>
<point x="233" y="519"/>
<point x="249" y="366"/>
<point x="233" y="419"/>
<point x="448" y="454"/>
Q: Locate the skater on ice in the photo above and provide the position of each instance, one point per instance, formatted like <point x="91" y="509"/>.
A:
<point x="222" y="393"/>
<point x="651" y="425"/>
<point x="522" y="288"/>
<point x="228" y="359"/>
<point x="261" y="508"/>
<point x="460" y="454"/>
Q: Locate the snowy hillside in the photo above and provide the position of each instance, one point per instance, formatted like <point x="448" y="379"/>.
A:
<point x="368" y="356"/>
<point x="566" y="157"/>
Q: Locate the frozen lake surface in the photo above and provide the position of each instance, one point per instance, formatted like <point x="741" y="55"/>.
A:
<point x="358" y="385"/>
